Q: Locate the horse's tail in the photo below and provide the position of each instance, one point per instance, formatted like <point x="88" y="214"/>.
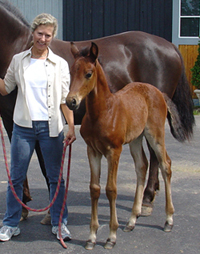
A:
<point x="173" y="116"/>
<point x="182" y="98"/>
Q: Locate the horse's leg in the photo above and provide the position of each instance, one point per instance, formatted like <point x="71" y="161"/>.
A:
<point x="169" y="208"/>
<point x="95" y="171"/>
<point x="141" y="165"/>
<point x="26" y="198"/>
<point x="41" y="162"/>
<point x="111" y="193"/>
<point x="152" y="184"/>
<point x="47" y="218"/>
<point x="158" y="144"/>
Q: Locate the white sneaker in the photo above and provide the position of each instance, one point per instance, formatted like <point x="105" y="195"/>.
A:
<point x="66" y="236"/>
<point x="6" y="232"/>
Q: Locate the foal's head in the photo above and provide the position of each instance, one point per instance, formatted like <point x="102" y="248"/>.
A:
<point x="83" y="74"/>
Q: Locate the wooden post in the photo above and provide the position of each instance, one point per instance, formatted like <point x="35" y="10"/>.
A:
<point x="189" y="53"/>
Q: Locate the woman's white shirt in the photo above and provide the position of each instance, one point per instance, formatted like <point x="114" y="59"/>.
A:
<point x="58" y="80"/>
<point x="36" y="90"/>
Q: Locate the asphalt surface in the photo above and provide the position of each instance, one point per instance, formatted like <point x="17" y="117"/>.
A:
<point x="148" y="235"/>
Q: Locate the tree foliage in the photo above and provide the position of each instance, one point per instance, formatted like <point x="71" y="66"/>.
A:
<point x="196" y="71"/>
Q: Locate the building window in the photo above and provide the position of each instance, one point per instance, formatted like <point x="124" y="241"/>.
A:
<point x="189" y="18"/>
<point x="186" y="22"/>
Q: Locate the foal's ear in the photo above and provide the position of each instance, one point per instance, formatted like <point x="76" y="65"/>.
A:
<point x="74" y="50"/>
<point x="94" y="51"/>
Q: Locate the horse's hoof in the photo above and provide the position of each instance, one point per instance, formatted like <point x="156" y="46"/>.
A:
<point x="128" y="228"/>
<point x="109" y="244"/>
<point x="90" y="245"/>
<point x="24" y="214"/>
<point x="146" y="210"/>
<point x="168" y="227"/>
<point x="46" y="220"/>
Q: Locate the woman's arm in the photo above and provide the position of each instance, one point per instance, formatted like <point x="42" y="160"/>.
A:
<point x="69" y="117"/>
<point x="2" y="87"/>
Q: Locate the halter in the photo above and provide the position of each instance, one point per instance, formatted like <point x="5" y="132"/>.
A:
<point x="57" y="189"/>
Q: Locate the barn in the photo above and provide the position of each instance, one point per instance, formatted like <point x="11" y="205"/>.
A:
<point x="175" y="20"/>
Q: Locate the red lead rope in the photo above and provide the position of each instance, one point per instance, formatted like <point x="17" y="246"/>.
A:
<point x="57" y="189"/>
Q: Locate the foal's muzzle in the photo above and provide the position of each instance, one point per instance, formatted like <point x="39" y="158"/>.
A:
<point x="72" y="103"/>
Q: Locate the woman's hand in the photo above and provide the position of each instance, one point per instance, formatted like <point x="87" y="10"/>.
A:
<point x="69" y="117"/>
<point x="70" y="137"/>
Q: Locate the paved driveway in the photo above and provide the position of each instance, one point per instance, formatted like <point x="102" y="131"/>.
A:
<point x="147" y="237"/>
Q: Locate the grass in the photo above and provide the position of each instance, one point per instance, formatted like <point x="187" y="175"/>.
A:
<point x="196" y="110"/>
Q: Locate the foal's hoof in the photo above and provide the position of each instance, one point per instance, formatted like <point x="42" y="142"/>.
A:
<point x="46" y="220"/>
<point x="168" y="227"/>
<point x="24" y="214"/>
<point x="109" y="244"/>
<point x="146" y="210"/>
<point x="90" y="245"/>
<point x="128" y="228"/>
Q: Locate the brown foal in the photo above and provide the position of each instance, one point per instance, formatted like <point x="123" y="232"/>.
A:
<point x="112" y="120"/>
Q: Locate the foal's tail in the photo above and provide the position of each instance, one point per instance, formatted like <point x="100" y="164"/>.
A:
<point x="182" y="98"/>
<point x="173" y="116"/>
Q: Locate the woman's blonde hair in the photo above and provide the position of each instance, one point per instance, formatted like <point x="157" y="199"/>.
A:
<point x="45" y="19"/>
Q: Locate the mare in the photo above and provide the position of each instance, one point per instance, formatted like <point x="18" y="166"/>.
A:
<point x="126" y="57"/>
<point x="112" y="120"/>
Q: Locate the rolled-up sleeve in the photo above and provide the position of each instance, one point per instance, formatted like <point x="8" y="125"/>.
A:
<point x="10" y="82"/>
<point x="65" y="79"/>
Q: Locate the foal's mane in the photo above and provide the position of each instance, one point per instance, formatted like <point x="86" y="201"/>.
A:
<point x="13" y="11"/>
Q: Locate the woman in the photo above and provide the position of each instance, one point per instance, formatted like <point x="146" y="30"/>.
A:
<point x="42" y="79"/>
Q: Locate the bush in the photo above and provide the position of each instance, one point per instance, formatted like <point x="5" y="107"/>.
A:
<point x="196" y="71"/>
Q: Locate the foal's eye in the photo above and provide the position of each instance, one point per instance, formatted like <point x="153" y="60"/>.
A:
<point x="88" y="75"/>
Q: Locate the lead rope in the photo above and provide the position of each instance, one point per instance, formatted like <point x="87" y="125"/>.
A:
<point x="65" y="198"/>
<point x="57" y="189"/>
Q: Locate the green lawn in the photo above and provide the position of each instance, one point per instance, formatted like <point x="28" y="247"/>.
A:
<point x="196" y="110"/>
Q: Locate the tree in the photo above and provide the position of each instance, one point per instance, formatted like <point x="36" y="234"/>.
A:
<point x="196" y="71"/>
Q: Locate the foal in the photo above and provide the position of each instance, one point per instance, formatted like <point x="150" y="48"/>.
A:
<point x="112" y="120"/>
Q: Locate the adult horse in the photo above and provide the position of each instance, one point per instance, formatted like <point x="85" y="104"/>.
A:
<point x="126" y="57"/>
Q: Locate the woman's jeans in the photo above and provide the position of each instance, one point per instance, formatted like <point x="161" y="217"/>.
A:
<point x="22" y="147"/>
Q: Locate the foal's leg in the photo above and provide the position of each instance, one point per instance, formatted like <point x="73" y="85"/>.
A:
<point x="141" y="165"/>
<point x="169" y="208"/>
<point x="95" y="171"/>
<point x="111" y="193"/>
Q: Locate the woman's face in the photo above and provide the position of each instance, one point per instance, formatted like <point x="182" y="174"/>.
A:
<point x="42" y="36"/>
